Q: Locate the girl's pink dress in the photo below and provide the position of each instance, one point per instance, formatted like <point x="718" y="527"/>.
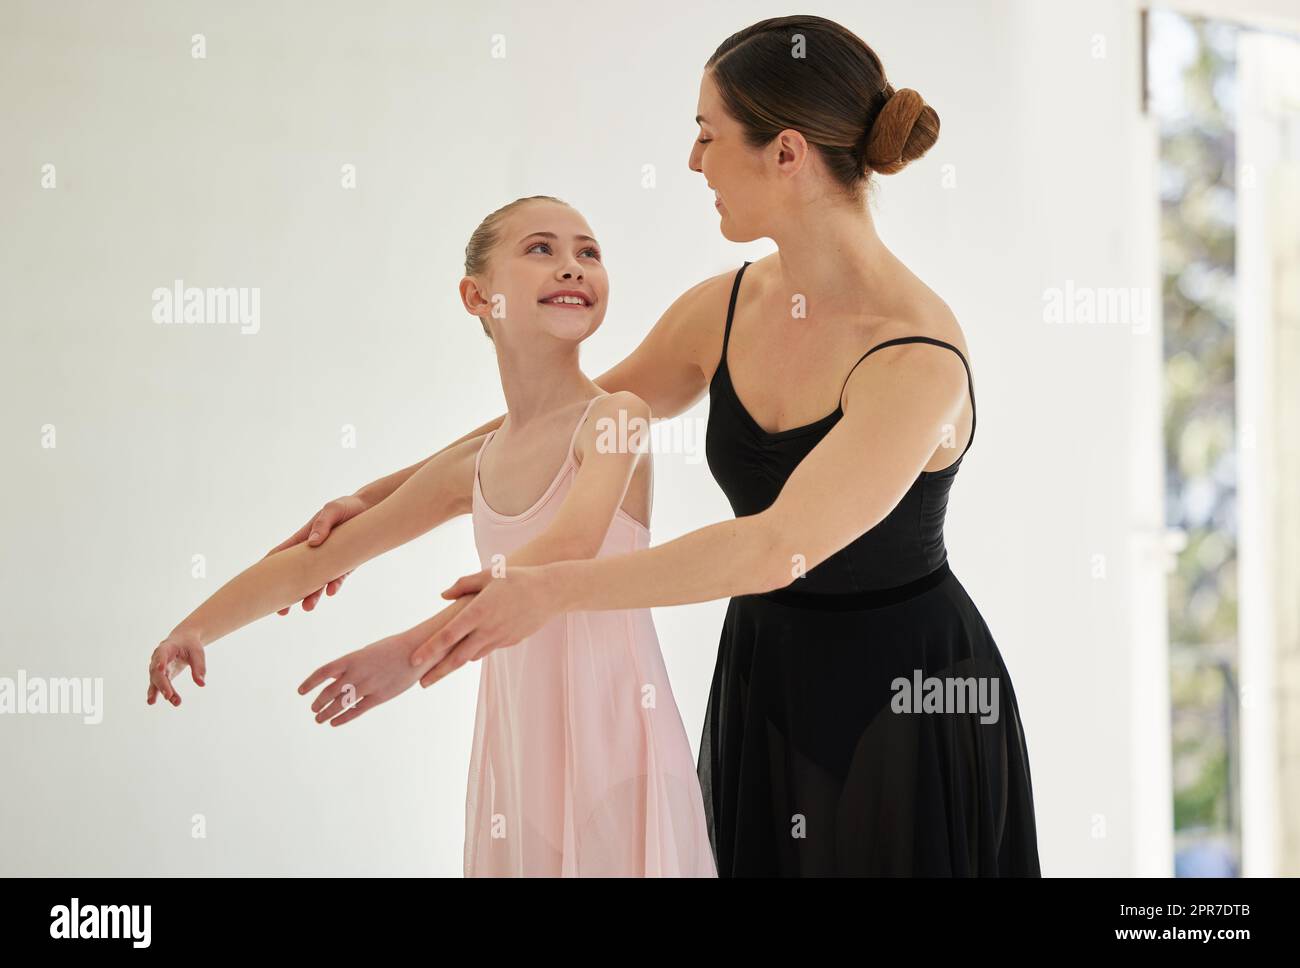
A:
<point x="580" y="763"/>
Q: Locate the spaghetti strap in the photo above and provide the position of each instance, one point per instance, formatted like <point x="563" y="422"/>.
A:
<point x="731" y="311"/>
<point x="970" y="382"/>
<point x="569" y="457"/>
<point x="478" y="456"/>
<point x="573" y="441"/>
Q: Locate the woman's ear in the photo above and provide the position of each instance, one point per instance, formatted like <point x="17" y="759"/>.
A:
<point x="791" y="151"/>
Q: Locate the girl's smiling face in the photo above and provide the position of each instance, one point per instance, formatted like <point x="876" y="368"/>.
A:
<point x="545" y="280"/>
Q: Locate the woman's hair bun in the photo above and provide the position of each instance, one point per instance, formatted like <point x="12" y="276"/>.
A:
<point x="904" y="129"/>
<point x="838" y="97"/>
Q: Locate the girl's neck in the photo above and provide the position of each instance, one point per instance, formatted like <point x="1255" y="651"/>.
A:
<point x="536" y="384"/>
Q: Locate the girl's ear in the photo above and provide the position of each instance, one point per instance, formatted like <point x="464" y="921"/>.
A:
<point x="476" y="302"/>
<point x="473" y="298"/>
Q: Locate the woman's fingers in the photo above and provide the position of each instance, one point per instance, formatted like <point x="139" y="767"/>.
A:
<point x="466" y="650"/>
<point x="468" y="584"/>
<point x="293" y="539"/>
<point x="313" y="533"/>
<point x="330" y="515"/>
<point x="451" y="633"/>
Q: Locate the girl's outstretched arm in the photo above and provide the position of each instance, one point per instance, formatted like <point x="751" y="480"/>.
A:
<point x="382" y="670"/>
<point x="422" y="503"/>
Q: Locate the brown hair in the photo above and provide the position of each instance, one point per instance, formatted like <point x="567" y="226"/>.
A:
<point x="832" y="90"/>
<point x="478" y="251"/>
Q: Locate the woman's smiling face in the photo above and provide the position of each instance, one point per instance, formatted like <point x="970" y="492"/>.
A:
<point x="735" y="171"/>
<point x="545" y="278"/>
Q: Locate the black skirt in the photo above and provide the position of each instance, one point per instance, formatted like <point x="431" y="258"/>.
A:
<point x="870" y="733"/>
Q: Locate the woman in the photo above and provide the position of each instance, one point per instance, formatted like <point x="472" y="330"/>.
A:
<point x="842" y="734"/>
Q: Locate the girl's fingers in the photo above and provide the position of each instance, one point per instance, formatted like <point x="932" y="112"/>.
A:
<point x="366" y="703"/>
<point x="158" y="677"/>
<point x="198" y="664"/>
<point x="328" y="671"/>
<point x="310" y="601"/>
<point x="328" y="711"/>
<point x="345" y="699"/>
<point x="329" y="694"/>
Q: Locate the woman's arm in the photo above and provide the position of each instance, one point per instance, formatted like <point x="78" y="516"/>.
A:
<point x="897" y="407"/>
<point x="437" y="492"/>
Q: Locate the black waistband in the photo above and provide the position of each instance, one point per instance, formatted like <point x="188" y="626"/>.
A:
<point x="856" y="601"/>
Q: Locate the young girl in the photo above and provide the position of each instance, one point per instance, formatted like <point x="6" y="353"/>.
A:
<point x="580" y="763"/>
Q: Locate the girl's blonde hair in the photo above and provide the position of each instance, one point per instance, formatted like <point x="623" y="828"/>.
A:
<point x="478" y="250"/>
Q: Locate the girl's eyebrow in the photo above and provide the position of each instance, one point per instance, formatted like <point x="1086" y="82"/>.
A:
<point x="552" y="235"/>
<point x="701" y="119"/>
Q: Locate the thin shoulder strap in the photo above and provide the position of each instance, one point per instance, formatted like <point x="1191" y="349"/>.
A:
<point x="478" y="456"/>
<point x="731" y="311"/>
<point x="573" y="441"/>
<point x="970" y="381"/>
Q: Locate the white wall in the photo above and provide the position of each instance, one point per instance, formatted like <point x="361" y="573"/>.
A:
<point x="176" y="441"/>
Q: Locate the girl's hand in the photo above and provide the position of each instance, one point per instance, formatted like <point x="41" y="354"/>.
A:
<point x="314" y="532"/>
<point x="174" y="653"/>
<point x="363" y="679"/>
<point x="503" y="612"/>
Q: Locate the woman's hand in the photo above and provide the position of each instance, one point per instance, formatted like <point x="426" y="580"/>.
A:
<point x="174" y="653"/>
<point x="363" y="679"/>
<point x="503" y="611"/>
<point x="316" y="531"/>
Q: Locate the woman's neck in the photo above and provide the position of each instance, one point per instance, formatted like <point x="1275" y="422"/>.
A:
<point x="830" y="252"/>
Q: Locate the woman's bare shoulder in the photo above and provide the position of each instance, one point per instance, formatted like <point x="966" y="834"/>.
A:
<point x="698" y="318"/>
<point x="924" y="314"/>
